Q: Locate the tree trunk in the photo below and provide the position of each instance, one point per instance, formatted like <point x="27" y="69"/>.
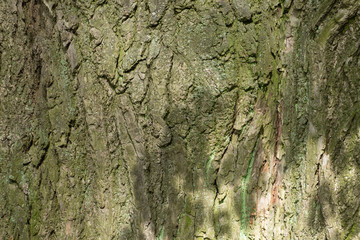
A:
<point x="183" y="119"/>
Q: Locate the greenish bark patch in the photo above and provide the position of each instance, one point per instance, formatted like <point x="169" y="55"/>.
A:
<point x="245" y="212"/>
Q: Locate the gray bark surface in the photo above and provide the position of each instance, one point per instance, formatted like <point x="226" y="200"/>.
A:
<point x="183" y="119"/>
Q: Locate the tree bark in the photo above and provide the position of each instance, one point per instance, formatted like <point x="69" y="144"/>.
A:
<point x="183" y="119"/>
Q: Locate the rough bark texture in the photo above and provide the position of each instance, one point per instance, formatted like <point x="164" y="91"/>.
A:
<point x="182" y="119"/>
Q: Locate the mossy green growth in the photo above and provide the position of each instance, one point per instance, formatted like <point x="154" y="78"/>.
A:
<point x="326" y="32"/>
<point x="161" y="235"/>
<point x="208" y="165"/>
<point x="243" y="198"/>
<point x="353" y="232"/>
